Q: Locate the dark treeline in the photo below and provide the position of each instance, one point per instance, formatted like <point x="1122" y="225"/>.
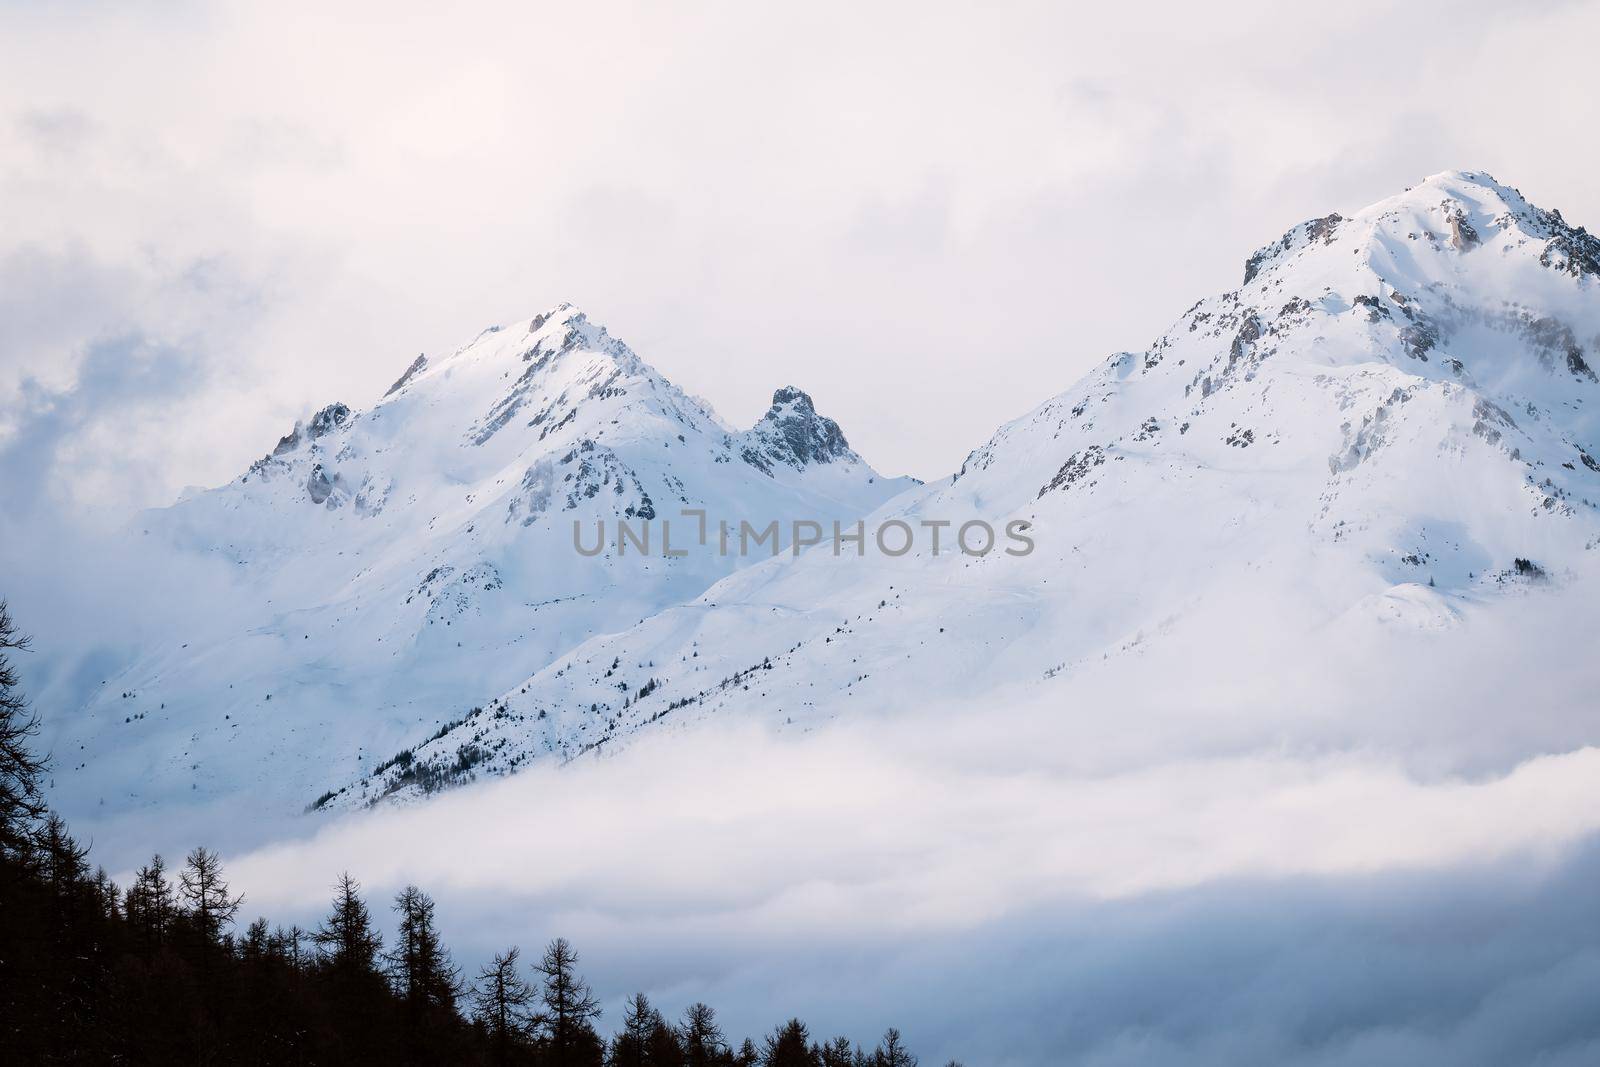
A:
<point x="164" y="970"/>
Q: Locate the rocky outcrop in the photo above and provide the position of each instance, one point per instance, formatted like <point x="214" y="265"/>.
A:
<point x="1316" y="230"/>
<point x="1463" y="237"/>
<point x="417" y="366"/>
<point x="794" y="434"/>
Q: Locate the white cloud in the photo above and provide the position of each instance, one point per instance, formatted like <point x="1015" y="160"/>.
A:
<point x="862" y="876"/>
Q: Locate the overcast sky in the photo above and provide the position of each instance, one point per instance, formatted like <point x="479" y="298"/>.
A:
<point x="932" y="217"/>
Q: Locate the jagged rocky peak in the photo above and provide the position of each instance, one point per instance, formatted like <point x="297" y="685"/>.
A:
<point x="794" y="434"/>
<point x="329" y="419"/>
<point x="333" y="417"/>
<point x="561" y="312"/>
<point x="561" y="361"/>
<point x="542" y="339"/>
<point x="566" y="328"/>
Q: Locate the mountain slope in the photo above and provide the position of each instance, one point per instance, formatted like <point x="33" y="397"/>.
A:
<point x="1385" y="432"/>
<point x="398" y="566"/>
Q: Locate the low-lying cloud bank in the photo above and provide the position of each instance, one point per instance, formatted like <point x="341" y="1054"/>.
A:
<point x="1254" y="908"/>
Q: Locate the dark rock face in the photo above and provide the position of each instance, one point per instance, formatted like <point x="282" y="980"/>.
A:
<point x="1419" y="338"/>
<point x="1376" y="308"/>
<point x="1422" y="334"/>
<point x="1489" y="419"/>
<point x="1552" y="338"/>
<point x="1462" y="236"/>
<point x="792" y="433"/>
<point x="289" y="442"/>
<point x="324" y="422"/>
<point x="318" y="485"/>
<point x="1078" y="466"/>
<point x="412" y="371"/>
<point x="1570" y="248"/>
<point x="330" y="418"/>
<point x="1244" y="341"/>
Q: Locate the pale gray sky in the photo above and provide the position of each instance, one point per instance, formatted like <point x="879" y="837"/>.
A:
<point x="932" y="217"/>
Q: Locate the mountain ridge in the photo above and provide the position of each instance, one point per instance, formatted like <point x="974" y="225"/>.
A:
<point x="1391" y="424"/>
<point x="1389" y="429"/>
<point x="396" y="565"/>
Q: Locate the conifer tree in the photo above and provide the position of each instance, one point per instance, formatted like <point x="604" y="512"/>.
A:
<point x="423" y="977"/>
<point x="420" y="966"/>
<point x="201" y="887"/>
<point x="62" y="861"/>
<point x="349" y="944"/>
<point x="790" y="1046"/>
<point x="257" y="944"/>
<point x="357" y="999"/>
<point x="500" y="1000"/>
<point x="891" y="1052"/>
<point x="664" y="1047"/>
<point x="106" y="893"/>
<point x="630" y="1048"/>
<point x="839" y="1053"/>
<point x="21" y="771"/>
<point x="569" y="1007"/>
<point x="646" y="1040"/>
<point x="150" y="903"/>
<point x="703" y="1043"/>
<point x="289" y="944"/>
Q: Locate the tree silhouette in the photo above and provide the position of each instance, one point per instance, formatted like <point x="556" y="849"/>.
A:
<point x="423" y="975"/>
<point x="355" y="990"/>
<point x="790" y="1046"/>
<point x="21" y="771"/>
<point x="420" y="966"/>
<point x="646" y="1040"/>
<point x="839" y="1053"/>
<point x="201" y="887"/>
<point x="500" y="1000"/>
<point x="569" y="1005"/>
<point x="150" y="902"/>
<point x="703" y="1043"/>
<point x="891" y="1052"/>
<point x="349" y="944"/>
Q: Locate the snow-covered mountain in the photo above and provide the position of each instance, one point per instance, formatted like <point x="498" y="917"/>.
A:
<point x="1389" y="428"/>
<point x="396" y="567"/>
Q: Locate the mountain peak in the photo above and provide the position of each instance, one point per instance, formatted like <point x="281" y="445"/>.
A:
<point x="561" y="313"/>
<point x="1446" y="179"/>
<point x="794" y="434"/>
<point x="1414" y="239"/>
<point x="788" y="396"/>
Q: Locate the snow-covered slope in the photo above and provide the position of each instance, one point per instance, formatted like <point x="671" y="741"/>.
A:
<point x="1389" y="428"/>
<point x="400" y="565"/>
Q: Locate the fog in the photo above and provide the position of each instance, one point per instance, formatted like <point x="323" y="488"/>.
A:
<point x="1263" y="908"/>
